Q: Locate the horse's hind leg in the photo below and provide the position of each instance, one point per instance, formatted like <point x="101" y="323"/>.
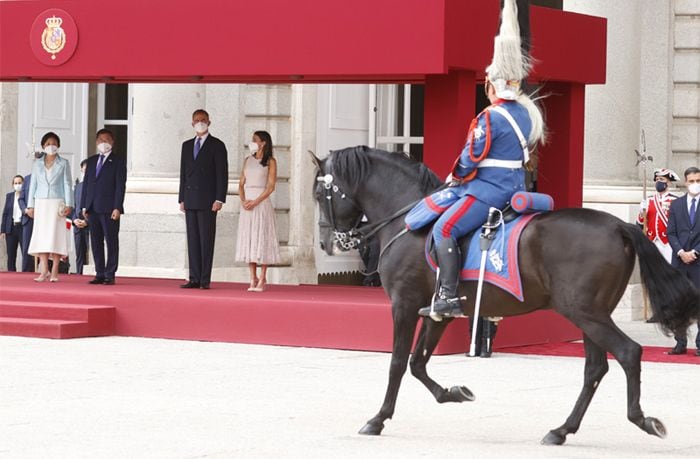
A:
<point x="405" y="320"/>
<point x="605" y="334"/>
<point x="596" y="367"/>
<point x="424" y="350"/>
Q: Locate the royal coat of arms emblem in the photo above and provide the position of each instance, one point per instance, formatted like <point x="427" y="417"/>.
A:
<point x="53" y="39"/>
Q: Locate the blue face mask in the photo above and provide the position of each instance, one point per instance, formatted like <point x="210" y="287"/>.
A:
<point x="661" y="186"/>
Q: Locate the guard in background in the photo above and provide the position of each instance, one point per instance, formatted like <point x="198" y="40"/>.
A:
<point x="654" y="211"/>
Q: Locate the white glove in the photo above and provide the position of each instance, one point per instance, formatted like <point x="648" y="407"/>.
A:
<point x="644" y="205"/>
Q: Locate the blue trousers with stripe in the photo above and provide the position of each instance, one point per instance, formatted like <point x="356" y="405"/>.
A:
<point x="463" y="217"/>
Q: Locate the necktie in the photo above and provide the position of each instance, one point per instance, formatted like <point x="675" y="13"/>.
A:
<point x="197" y="146"/>
<point x="99" y="165"/>
<point x="692" y="211"/>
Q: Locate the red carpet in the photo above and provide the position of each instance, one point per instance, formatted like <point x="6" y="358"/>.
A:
<point x="649" y="354"/>
<point x="323" y="316"/>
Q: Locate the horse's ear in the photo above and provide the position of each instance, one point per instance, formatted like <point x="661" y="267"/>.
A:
<point x="315" y="160"/>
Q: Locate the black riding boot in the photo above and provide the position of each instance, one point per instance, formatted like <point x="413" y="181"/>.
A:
<point x="488" y="334"/>
<point x="449" y="260"/>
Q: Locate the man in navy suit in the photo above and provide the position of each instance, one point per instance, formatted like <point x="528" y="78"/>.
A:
<point x="11" y="226"/>
<point x="684" y="236"/>
<point x="102" y="203"/>
<point x="27" y="224"/>
<point x="81" y="232"/>
<point x="203" y="185"/>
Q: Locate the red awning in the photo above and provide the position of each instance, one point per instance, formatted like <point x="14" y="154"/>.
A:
<point x="286" y="41"/>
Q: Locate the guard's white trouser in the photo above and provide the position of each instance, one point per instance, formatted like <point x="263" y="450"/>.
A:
<point x="665" y="249"/>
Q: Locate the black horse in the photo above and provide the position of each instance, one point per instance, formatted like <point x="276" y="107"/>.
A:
<point x="578" y="263"/>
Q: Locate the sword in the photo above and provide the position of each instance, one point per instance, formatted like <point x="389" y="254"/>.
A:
<point x="643" y="159"/>
<point x="485" y="240"/>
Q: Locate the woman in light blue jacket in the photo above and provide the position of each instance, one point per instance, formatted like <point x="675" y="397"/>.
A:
<point x="49" y="202"/>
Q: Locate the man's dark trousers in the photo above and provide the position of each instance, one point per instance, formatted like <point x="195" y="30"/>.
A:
<point x="104" y="229"/>
<point x="201" y="228"/>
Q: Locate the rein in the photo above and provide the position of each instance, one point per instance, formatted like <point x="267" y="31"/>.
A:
<point x="352" y="238"/>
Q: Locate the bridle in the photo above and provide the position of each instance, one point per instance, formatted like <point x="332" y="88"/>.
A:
<point x="353" y="237"/>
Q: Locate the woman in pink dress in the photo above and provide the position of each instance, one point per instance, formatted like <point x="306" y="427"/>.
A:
<point x="256" y="242"/>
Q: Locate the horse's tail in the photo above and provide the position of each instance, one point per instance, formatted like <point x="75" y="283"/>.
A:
<point x="674" y="300"/>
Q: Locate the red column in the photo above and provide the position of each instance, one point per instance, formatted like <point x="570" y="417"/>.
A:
<point x="560" y="169"/>
<point x="449" y="108"/>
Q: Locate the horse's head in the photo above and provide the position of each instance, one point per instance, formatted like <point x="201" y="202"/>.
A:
<point x="339" y="214"/>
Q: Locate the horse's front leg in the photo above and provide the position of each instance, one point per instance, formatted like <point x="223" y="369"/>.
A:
<point x="431" y="332"/>
<point x="405" y="320"/>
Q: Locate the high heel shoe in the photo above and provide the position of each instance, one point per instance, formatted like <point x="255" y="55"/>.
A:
<point x="53" y="279"/>
<point x="253" y="284"/>
<point x="41" y="278"/>
<point x="260" y="287"/>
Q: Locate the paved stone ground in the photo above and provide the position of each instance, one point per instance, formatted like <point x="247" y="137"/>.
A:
<point x="151" y="398"/>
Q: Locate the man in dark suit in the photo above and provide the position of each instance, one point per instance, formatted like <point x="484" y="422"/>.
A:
<point x="684" y="236"/>
<point x="11" y="226"/>
<point x="102" y="203"/>
<point x="203" y="185"/>
<point x="27" y="226"/>
<point x="81" y="232"/>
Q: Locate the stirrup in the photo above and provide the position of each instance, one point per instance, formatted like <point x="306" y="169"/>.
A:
<point x="455" y="309"/>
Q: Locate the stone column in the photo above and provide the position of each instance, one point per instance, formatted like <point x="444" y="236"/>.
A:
<point x="152" y="237"/>
<point x="302" y="217"/>
<point x="8" y="149"/>
<point x="160" y="122"/>
<point x="612" y="110"/>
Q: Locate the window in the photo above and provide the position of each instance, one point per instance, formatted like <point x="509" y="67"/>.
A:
<point x="396" y="122"/>
<point x="113" y="110"/>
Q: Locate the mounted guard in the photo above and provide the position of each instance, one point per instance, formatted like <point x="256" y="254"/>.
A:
<point x="490" y="168"/>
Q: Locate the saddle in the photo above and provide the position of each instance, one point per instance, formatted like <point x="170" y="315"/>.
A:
<point x="521" y="203"/>
<point x="502" y="269"/>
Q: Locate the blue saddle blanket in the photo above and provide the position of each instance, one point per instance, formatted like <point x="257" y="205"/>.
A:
<point x="502" y="267"/>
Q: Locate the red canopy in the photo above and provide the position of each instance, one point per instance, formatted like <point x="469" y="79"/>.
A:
<point x="445" y="44"/>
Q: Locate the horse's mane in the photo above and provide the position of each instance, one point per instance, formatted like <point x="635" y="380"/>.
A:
<point x="352" y="165"/>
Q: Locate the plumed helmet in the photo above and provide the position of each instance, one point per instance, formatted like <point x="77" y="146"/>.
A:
<point x="509" y="66"/>
<point x="668" y="173"/>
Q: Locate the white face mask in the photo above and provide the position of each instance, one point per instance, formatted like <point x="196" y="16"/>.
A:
<point x="201" y="128"/>
<point x="694" y="188"/>
<point x="82" y="176"/>
<point x="50" y="149"/>
<point x="253" y="147"/>
<point x="104" y="148"/>
<point x="17" y="186"/>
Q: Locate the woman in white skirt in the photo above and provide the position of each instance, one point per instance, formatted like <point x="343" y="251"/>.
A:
<point x="49" y="201"/>
<point x="256" y="243"/>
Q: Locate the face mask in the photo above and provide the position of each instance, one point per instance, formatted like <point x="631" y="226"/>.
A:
<point x="50" y="149"/>
<point x="17" y="186"/>
<point x="201" y="128"/>
<point x="661" y="186"/>
<point x="253" y="147"/>
<point x="82" y="176"/>
<point x="694" y="188"/>
<point x="104" y="148"/>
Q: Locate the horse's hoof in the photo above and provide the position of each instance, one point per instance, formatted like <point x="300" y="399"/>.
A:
<point x="371" y="429"/>
<point x="553" y="438"/>
<point x="653" y="426"/>
<point x="462" y="394"/>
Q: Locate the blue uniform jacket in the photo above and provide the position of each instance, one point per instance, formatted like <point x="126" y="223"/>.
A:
<point x="491" y="136"/>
